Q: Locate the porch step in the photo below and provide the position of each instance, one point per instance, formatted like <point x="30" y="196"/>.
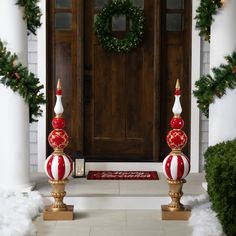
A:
<point x="118" y="194"/>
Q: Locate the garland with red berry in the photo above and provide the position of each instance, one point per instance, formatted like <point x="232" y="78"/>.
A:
<point x="32" y="14"/>
<point x="204" y="18"/>
<point x="210" y="86"/>
<point x="16" y="76"/>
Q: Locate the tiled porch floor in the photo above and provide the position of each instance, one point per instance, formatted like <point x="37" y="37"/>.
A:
<point x="114" y="223"/>
<point x="117" y="222"/>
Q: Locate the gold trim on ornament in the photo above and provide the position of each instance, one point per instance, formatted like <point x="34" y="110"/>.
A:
<point x="59" y="151"/>
<point x="177" y="116"/>
<point x="176" y="152"/>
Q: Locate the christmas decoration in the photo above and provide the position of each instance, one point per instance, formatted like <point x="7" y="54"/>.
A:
<point x="176" y="165"/>
<point x="209" y="86"/>
<point x="134" y="35"/>
<point x="204" y="17"/>
<point x="32" y="14"/>
<point x="18" y="78"/>
<point x="58" y="166"/>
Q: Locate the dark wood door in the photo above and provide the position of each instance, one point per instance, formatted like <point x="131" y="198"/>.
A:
<point x="119" y="114"/>
<point x="118" y="106"/>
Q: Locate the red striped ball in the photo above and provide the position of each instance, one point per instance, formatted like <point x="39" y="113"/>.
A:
<point x="176" y="166"/>
<point x="58" y="166"/>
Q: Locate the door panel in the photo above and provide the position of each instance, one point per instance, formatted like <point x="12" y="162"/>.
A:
<point x="175" y="64"/>
<point x="119" y="117"/>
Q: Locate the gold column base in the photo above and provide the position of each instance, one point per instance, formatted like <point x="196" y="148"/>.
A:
<point x="58" y="210"/>
<point x="183" y="214"/>
<point x="66" y="214"/>
<point x="175" y="210"/>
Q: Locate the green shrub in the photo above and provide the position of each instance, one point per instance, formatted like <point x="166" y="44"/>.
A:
<point x="221" y="178"/>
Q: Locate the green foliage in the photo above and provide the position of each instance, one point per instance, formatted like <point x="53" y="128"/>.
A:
<point x="221" y="177"/>
<point x="209" y="86"/>
<point x="32" y="14"/>
<point x="14" y="75"/>
<point x="134" y="36"/>
<point x="204" y="17"/>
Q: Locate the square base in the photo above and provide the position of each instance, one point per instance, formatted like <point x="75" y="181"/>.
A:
<point x="48" y="214"/>
<point x="175" y="215"/>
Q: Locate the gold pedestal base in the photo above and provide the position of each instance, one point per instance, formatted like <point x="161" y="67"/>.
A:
<point x="183" y="214"/>
<point x="66" y="214"/>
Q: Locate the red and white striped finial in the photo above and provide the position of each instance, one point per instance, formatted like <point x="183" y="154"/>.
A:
<point x="177" y="109"/>
<point x="58" y="109"/>
<point x="176" y="165"/>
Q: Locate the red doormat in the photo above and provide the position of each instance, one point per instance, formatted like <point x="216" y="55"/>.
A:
<point x="123" y="175"/>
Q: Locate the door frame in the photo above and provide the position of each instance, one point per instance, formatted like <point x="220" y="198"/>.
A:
<point x="195" y="73"/>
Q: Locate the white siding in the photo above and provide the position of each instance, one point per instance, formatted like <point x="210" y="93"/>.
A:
<point x="205" y="67"/>
<point x="32" y="66"/>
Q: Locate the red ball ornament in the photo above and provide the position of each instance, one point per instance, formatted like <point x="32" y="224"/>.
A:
<point x="58" y="123"/>
<point x="177" y="123"/>
<point x="58" y="166"/>
<point x="58" y="139"/>
<point x="176" y="139"/>
<point x="176" y="166"/>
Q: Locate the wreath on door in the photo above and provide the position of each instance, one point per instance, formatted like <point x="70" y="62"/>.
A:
<point x="135" y="34"/>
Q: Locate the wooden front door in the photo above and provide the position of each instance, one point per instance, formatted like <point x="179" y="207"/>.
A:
<point x="118" y="106"/>
<point x="119" y="91"/>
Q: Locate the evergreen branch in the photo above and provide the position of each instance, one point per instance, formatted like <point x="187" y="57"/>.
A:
<point x="32" y="14"/>
<point x="210" y="86"/>
<point x="204" y="18"/>
<point x="19" y="79"/>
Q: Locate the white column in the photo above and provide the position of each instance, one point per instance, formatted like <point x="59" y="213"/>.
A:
<point x="14" y="112"/>
<point x="222" y="114"/>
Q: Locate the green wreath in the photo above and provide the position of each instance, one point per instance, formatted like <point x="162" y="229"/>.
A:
<point x="135" y="34"/>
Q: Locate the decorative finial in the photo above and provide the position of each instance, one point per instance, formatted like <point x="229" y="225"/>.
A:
<point x="177" y="87"/>
<point x="177" y="109"/>
<point x="59" y="87"/>
<point x="176" y="165"/>
<point x="58" y="109"/>
<point x="58" y="166"/>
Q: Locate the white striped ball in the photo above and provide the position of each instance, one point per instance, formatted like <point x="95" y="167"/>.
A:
<point x="58" y="166"/>
<point x="176" y="166"/>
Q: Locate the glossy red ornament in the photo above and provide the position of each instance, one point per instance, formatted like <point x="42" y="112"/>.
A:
<point x="176" y="123"/>
<point x="58" y="122"/>
<point x="58" y="139"/>
<point x="176" y="139"/>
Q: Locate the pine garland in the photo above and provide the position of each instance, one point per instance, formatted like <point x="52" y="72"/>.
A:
<point x="16" y="76"/>
<point x="204" y="17"/>
<point x="32" y="14"/>
<point x="207" y="87"/>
